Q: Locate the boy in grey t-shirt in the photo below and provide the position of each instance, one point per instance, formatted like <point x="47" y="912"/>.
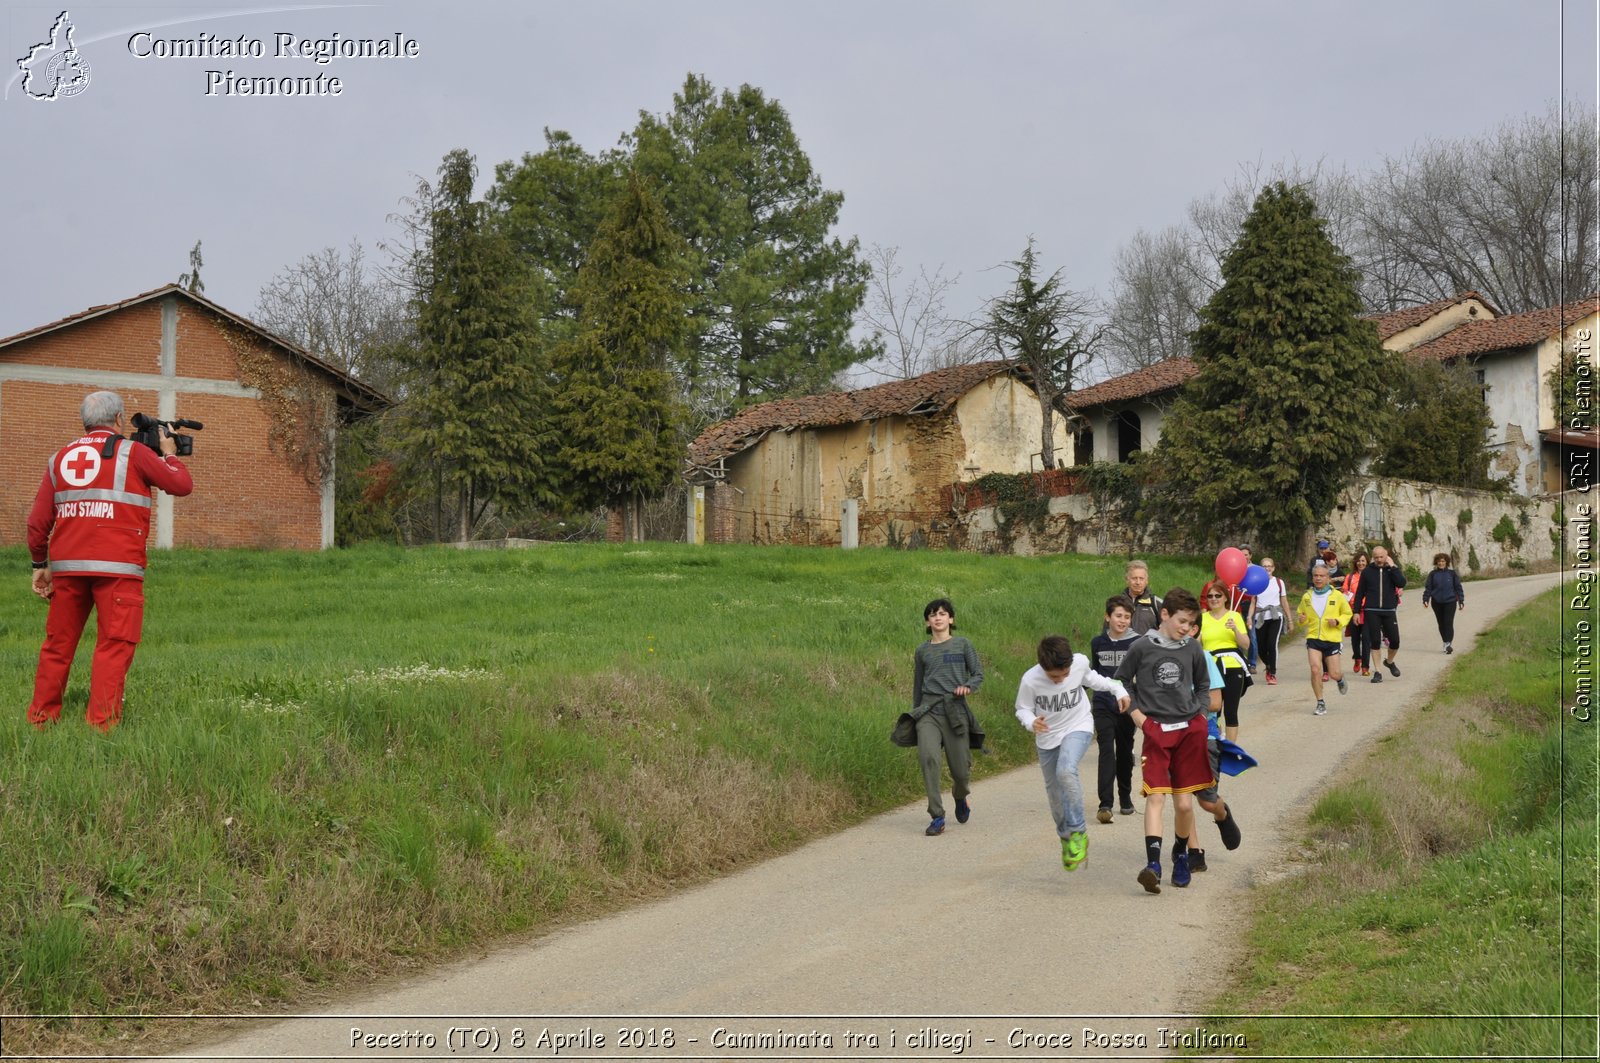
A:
<point x="1166" y="674"/>
<point x="947" y="670"/>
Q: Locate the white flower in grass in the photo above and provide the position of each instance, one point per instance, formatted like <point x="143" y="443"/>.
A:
<point x="417" y="674"/>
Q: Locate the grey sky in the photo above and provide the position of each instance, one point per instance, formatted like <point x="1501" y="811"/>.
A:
<point x="954" y="129"/>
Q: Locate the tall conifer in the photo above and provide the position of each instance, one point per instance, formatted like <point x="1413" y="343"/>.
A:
<point x="621" y="422"/>
<point x="1291" y="389"/>
<point x="476" y="392"/>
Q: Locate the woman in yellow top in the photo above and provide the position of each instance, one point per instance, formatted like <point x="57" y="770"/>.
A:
<point x="1325" y="613"/>
<point x="1224" y="635"/>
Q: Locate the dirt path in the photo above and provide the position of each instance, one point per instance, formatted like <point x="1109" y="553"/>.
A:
<point x="947" y="942"/>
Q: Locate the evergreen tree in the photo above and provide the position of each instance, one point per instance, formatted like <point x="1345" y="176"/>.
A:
<point x="1572" y="412"/>
<point x="617" y="407"/>
<point x="553" y="204"/>
<point x="773" y="297"/>
<point x="1436" y="426"/>
<point x="477" y="393"/>
<point x="191" y="281"/>
<point x="1049" y="329"/>
<point x="1289" y="395"/>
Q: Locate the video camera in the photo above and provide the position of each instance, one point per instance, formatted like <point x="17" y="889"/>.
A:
<point x="147" y="430"/>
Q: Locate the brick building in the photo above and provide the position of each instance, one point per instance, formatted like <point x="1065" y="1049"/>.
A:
<point x="263" y="465"/>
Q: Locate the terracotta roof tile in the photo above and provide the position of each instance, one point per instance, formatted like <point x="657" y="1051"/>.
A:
<point x="928" y="393"/>
<point x="1504" y="333"/>
<point x="1394" y="322"/>
<point x="1151" y="380"/>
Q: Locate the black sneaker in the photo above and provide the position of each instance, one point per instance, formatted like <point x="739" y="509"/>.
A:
<point x="1377" y="677"/>
<point x="1197" y="860"/>
<point x="963" y="810"/>
<point x="1127" y="810"/>
<point x="1231" y="836"/>
<point x="1394" y="671"/>
<point x="1449" y="648"/>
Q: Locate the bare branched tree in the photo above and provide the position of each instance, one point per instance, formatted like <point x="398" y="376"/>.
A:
<point x="910" y="320"/>
<point x="335" y="306"/>
<point x="1160" y="284"/>
<point x="1490" y="215"/>
<point x="1512" y="214"/>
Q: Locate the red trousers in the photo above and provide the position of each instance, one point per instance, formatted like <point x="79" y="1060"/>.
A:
<point x="119" y="604"/>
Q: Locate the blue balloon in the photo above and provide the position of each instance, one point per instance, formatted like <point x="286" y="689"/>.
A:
<point x="1255" y="580"/>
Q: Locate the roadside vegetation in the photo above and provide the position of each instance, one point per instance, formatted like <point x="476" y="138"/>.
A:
<point x="1448" y="880"/>
<point x="337" y="766"/>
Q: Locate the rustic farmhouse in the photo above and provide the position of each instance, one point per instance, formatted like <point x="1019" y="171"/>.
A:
<point x="782" y="471"/>
<point x="263" y="466"/>
<point x="1512" y="355"/>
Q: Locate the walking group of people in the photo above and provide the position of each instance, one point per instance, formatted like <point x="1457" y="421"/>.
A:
<point x="1166" y="667"/>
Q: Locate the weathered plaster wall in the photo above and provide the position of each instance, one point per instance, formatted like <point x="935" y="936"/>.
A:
<point x="791" y="486"/>
<point x="1001" y="429"/>
<point x="1512" y="395"/>
<point x="1438" y="325"/>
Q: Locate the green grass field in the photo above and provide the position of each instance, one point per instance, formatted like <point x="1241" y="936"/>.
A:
<point x="1450" y="872"/>
<point x="341" y="764"/>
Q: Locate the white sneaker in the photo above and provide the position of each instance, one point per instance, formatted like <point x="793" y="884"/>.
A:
<point x="1321" y="709"/>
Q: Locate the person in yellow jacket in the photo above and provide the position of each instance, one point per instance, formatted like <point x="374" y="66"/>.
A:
<point x="1325" y="613"/>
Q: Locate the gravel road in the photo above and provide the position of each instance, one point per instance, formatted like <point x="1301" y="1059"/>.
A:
<point x="946" y="946"/>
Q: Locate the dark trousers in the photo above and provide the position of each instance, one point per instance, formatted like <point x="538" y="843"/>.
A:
<point x="1233" y="680"/>
<point x="1113" y="733"/>
<point x="1382" y="625"/>
<point x="1360" y="652"/>
<point x="1267" y="636"/>
<point x="1445" y="614"/>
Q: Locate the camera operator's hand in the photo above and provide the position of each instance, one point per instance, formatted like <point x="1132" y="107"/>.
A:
<point x="169" y="446"/>
<point x="43" y="585"/>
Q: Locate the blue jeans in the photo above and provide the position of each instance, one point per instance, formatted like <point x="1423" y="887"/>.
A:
<point x="1061" y="783"/>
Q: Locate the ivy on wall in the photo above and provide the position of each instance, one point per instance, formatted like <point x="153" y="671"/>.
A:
<point x="300" y="410"/>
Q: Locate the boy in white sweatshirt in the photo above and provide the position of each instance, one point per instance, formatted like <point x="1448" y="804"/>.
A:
<point x="1051" y="703"/>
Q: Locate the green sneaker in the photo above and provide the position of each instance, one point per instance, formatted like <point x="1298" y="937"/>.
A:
<point x="1074" y="848"/>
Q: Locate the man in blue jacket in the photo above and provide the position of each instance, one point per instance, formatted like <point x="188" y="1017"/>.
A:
<point x="1378" y="598"/>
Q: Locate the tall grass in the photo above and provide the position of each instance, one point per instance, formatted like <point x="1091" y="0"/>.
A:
<point x="1449" y="881"/>
<point x="332" y="764"/>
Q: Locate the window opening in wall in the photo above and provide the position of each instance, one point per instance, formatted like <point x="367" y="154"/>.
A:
<point x="1129" y="435"/>
<point x="1371" y="515"/>
<point x="1083" y="446"/>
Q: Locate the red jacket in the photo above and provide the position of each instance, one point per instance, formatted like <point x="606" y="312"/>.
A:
<point x="92" y="514"/>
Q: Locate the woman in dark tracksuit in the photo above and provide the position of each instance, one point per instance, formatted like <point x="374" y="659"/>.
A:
<point x="1443" y="591"/>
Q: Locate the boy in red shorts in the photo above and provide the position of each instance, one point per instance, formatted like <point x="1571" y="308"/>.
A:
<point x="1166" y="675"/>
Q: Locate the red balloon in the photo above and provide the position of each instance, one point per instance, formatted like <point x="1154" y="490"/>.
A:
<point x="1231" y="564"/>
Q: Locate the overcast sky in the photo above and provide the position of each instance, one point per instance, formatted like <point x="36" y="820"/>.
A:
<point x="954" y="129"/>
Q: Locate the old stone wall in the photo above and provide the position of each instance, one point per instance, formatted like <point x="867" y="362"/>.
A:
<point x="1482" y="530"/>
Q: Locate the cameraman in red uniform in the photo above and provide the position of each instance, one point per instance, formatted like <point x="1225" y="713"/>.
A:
<point x="91" y="519"/>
